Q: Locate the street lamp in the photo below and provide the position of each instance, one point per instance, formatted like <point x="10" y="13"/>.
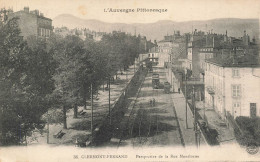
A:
<point x="186" y="107"/>
<point x="92" y="121"/>
<point x="185" y="95"/>
<point x="109" y="108"/>
<point x="194" y="107"/>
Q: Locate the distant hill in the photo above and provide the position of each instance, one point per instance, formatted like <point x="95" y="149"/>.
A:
<point x="157" y="30"/>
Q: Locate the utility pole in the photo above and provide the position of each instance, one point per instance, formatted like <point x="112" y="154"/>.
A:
<point x="48" y="127"/>
<point x="109" y="100"/>
<point x="204" y="108"/>
<point x="91" y="93"/>
<point x="171" y="73"/>
<point x="134" y="66"/>
<point x="194" y="107"/>
<point x="194" y="111"/>
<point x="186" y="107"/>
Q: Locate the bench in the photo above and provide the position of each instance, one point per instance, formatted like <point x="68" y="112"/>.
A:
<point x="82" y="112"/>
<point x="60" y="134"/>
<point x="222" y="124"/>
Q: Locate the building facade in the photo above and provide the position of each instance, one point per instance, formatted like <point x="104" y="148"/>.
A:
<point x="233" y="88"/>
<point x="33" y="23"/>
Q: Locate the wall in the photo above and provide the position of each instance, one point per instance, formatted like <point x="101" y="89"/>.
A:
<point x="250" y="93"/>
<point x="163" y="57"/>
<point x="221" y="79"/>
<point x="33" y="25"/>
<point x="27" y="23"/>
<point x="195" y="63"/>
<point x="214" y="79"/>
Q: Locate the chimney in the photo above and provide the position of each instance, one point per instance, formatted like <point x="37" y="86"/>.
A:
<point x="26" y="9"/>
<point x="213" y="41"/>
<point x="41" y="14"/>
<point x="37" y="12"/>
<point x="235" y="56"/>
<point x="206" y="40"/>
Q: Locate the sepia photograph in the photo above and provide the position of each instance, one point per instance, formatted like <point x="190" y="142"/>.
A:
<point x="129" y="80"/>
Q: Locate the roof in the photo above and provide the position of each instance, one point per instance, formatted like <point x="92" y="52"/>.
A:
<point x="161" y="41"/>
<point x="244" y="61"/>
<point x="38" y="16"/>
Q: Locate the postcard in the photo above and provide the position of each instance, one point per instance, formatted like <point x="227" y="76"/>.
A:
<point x="129" y="80"/>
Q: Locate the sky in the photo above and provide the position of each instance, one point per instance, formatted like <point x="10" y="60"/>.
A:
<point x="177" y="10"/>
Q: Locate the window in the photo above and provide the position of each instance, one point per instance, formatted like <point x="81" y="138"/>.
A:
<point x="252" y="110"/>
<point x="236" y="108"/>
<point x="236" y="105"/>
<point x="236" y="91"/>
<point x="40" y="31"/>
<point x="235" y="72"/>
<point x="48" y="33"/>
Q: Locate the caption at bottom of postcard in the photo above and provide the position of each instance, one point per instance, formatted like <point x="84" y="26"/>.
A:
<point x="143" y="157"/>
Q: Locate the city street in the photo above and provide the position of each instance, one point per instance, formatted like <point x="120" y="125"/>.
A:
<point x="147" y="124"/>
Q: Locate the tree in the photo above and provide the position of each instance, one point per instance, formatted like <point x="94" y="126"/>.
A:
<point x="67" y="52"/>
<point x="25" y="84"/>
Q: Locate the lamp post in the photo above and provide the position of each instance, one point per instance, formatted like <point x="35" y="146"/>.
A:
<point x="186" y="107"/>
<point x="195" y="120"/>
<point x="109" y="108"/>
<point x="194" y="107"/>
<point x="92" y="121"/>
<point x="48" y="127"/>
<point x="171" y="72"/>
<point x="134" y="67"/>
<point x="204" y="108"/>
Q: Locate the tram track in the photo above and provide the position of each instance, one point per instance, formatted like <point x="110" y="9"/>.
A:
<point x="143" y="126"/>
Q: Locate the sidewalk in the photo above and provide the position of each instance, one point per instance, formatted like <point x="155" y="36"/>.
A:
<point x="80" y="127"/>
<point x="226" y="133"/>
<point x="179" y="103"/>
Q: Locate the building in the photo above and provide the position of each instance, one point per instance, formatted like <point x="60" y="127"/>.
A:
<point x="153" y="55"/>
<point x="196" y="41"/>
<point x="218" y="45"/>
<point x="211" y="48"/>
<point x="232" y="85"/>
<point x="33" y="23"/>
<point x="172" y="47"/>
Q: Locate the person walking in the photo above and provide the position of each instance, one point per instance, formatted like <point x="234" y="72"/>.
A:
<point x="153" y="102"/>
<point x="179" y="90"/>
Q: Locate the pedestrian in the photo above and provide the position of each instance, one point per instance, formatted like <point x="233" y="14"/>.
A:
<point x="153" y="102"/>
<point x="179" y="90"/>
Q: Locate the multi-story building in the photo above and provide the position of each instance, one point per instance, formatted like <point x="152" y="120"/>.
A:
<point x="232" y="85"/>
<point x="153" y="55"/>
<point x="173" y="47"/>
<point x="196" y="42"/>
<point x="218" y="45"/>
<point x="166" y="45"/>
<point x="211" y="48"/>
<point x="33" y="23"/>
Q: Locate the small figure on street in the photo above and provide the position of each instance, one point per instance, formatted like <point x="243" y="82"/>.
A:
<point x="179" y="90"/>
<point x="76" y="143"/>
<point x="153" y="102"/>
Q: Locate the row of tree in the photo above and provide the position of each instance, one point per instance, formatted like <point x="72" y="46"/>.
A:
<point x="37" y="75"/>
